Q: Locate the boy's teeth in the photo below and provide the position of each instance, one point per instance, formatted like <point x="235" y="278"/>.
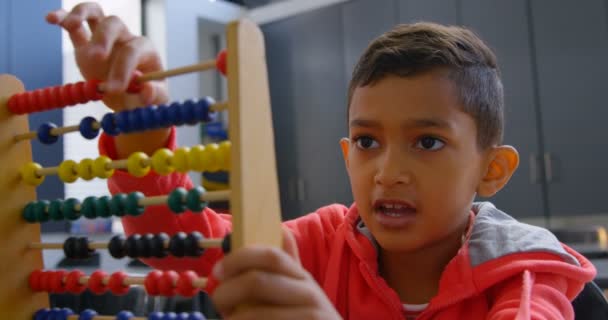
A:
<point x="388" y="206"/>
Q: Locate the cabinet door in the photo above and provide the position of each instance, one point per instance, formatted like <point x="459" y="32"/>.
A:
<point x="440" y="11"/>
<point x="503" y="25"/>
<point x="309" y="108"/>
<point x="571" y="40"/>
<point x="363" y="21"/>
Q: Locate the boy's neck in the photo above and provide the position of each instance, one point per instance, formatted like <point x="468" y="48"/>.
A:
<point x="415" y="275"/>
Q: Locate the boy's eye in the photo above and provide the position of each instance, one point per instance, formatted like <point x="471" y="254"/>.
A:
<point x="365" y="142"/>
<point x="429" y="143"/>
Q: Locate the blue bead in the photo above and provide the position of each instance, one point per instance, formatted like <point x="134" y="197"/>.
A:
<point x="201" y="110"/>
<point x="44" y="133"/>
<point x="175" y="114"/>
<point x="163" y="114"/>
<point x="42" y="314"/>
<point x="108" y="124"/>
<point x="208" y="113"/>
<point x="86" y="128"/>
<point x="124" y="315"/>
<point x="135" y="120"/>
<point x="187" y="110"/>
<point x="149" y="119"/>
<point x="196" y="316"/>
<point x="156" y="316"/>
<point x="122" y="121"/>
<point x="64" y="313"/>
<point x="170" y="316"/>
<point x="54" y="314"/>
<point x="87" y="314"/>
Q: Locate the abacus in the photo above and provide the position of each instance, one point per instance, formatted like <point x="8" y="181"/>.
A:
<point x="249" y="156"/>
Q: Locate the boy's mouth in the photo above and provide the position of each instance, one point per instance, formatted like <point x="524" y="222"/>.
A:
<point x="394" y="213"/>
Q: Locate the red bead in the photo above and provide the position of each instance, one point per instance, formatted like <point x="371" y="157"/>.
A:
<point x="72" y="282"/>
<point x="96" y="284"/>
<point x="166" y="285"/>
<point x="220" y="62"/>
<point x="116" y="283"/>
<point x="185" y="284"/>
<point x="56" y="281"/>
<point x="45" y="281"/>
<point x="34" y="280"/>
<point x="151" y="282"/>
<point x="134" y="85"/>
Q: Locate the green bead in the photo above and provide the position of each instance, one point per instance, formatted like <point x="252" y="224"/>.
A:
<point x="132" y="206"/>
<point x="28" y="213"/>
<point x="176" y="200"/>
<point x="118" y="205"/>
<point x="88" y="207"/>
<point x="69" y="209"/>
<point x="55" y="211"/>
<point x="193" y="199"/>
<point x="102" y="207"/>
<point x="40" y="210"/>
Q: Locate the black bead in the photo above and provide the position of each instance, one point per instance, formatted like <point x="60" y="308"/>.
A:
<point x="133" y="245"/>
<point x="117" y="246"/>
<point x="82" y="248"/>
<point x="146" y="245"/>
<point x="157" y="248"/>
<point x="226" y="244"/>
<point x="177" y="245"/>
<point x="192" y="247"/>
<point x="69" y="247"/>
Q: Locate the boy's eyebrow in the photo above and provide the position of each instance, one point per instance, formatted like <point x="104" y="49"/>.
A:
<point x="412" y="123"/>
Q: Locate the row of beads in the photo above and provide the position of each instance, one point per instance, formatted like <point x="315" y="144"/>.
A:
<point x="119" y="205"/>
<point x="211" y="157"/>
<point x="89" y="314"/>
<point x="141" y="119"/>
<point x="156" y="117"/>
<point x="163" y="283"/>
<point x="54" y="97"/>
<point x="160" y="245"/>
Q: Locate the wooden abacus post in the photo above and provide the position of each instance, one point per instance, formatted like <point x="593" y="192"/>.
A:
<point x="17" y="301"/>
<point x="254" y="199"/>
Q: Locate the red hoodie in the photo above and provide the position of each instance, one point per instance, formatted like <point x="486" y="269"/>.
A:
<point x="505" y="269"/>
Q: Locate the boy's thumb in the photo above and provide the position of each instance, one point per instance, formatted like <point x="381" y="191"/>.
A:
<point x="290" y="245"/>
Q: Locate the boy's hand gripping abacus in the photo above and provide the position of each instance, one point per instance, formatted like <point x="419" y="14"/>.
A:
<point x="249" y="156"/>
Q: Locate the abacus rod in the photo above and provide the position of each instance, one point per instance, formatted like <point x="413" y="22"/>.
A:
<point x="204" y="243"/>
<point x="205" y="65"/>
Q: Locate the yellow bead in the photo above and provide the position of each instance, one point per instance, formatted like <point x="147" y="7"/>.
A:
<point x="137" y="164"/>
<point x="195" y="158"/>
<point x="67" y="171"/>
<point x="29" y="175"/>
<point x="161" y="161"/>
<point x="85" y="169"/>
<point x="101" y="167"/>
<point x="180" y="159"/>
<point x="224" y="155"/>
<point x="212" y="157"/>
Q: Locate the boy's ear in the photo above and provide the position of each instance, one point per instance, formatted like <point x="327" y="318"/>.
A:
<point x="345" y="145"/>
<point x="502" y="163"/>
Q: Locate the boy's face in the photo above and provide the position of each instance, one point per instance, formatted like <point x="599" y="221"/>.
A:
<point x="413" y="160"/>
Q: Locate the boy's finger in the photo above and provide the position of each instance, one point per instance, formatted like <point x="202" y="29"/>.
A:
<point x="153" y="93"/>
<point x="262" y="288"/>
<point x="108" y="31"/>
<point x="262" y="258"/>
<point x="78" y="34"/>
<point x="290" y="245"/>
<point x="136" y="53"/>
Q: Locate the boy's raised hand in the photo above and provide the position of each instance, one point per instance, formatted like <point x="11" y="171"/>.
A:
<point x="259" y="282"/>
<point x="111" y="53"/>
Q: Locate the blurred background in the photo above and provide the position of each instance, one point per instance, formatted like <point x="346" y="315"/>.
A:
<point x="553" y="58"/>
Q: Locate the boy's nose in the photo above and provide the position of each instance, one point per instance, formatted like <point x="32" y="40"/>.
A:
<point x="392" y="171"/>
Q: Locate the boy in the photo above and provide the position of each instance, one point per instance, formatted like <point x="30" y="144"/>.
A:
<point x="425" y="127"/>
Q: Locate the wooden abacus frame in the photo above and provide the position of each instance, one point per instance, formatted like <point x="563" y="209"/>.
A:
<point x="254" y="197"/>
